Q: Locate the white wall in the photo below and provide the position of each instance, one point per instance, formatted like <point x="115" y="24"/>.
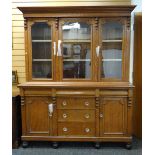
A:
<point x="139" y="5"/>
<point x="137" y="9"/>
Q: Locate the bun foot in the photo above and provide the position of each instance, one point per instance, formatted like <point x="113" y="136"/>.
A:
<point x="128" y="146"/>
<point x="25" y="144"/>
<point x="55" y="145"/>
<point x="97" y="145"/>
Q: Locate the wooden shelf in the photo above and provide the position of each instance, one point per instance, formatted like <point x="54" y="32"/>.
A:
<point x="111" y="59"/>
<point x="77" y="41"/>
<point x="76" y="59"/>
<point x="40" y="60"/>
<point x="111" y="41"/>
<point x="38" y="41"/>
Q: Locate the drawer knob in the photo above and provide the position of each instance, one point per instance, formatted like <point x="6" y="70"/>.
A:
<point x="64" y="115"/>
<point x="87" y="130"/>
<point x="65" y="129"/>
<point x="87" y="115"/>
<point x="64" y="103"/>
<point x="86" y="103"/>
<point x="101" y="115"/>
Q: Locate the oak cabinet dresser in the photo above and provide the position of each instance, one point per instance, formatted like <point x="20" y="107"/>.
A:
<point x="77" y="72"/>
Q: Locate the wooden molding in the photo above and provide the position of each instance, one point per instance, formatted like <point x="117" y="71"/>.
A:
<point x="128" y="22"/>
<point x="57" y="23"/>
<point x="60" y="11"/>
<point x="22" y="101"/>
<point x="97" y="101"/>
<point x="96" y="23"/>
<point x="110" y="85"/>
<point x="25" y="23"/>
<point x="70" y="9"/>
<point x="130" y="98"/>
<point x="129" y="102"/>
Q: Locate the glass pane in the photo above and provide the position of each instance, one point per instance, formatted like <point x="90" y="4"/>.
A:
<point x="112" y="31"/>
<point x="76" y="69"/>
<point x="41" y="69"/>
<point x="41" y="31"/>
<point x="76" y="31"/>
<point x="112" y="69"/>
<point x="41" y="50"/>
<point x="112" y="50"/>
<point x="76" y="50"/>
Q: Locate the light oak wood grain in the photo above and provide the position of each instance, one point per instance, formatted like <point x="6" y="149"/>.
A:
<point x="82" y="110"/>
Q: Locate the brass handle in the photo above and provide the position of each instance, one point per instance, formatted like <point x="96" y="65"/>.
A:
<point x="59" y="48"/>
<point x="64" y="115"/>
<point x="54" y="47"/>
<point x="87" y="130"/>
<point x="86" y="103"/>
<point x="87" y="115"/>
<point x="64" y="103"/>
<point x="50" y="109"/>
<point x="65" y="129"/>
<point x="98" y="51"/>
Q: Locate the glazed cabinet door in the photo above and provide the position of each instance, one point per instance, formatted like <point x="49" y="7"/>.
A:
<point x="113" y="117"/>
<point x="39" y="113"/>
<point x="41" y="50"/>
<point x="75" y="48"/>
<point x="113" y="57"/>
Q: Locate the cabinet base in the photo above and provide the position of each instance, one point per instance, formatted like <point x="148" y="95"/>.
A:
<point x="77" y="139"/>
<point x="97" y="140"/>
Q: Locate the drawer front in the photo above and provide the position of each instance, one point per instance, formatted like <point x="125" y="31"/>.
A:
<point x="76" y="129"/>
<point x="76" y="103"/>
<point x="76" y="115"/>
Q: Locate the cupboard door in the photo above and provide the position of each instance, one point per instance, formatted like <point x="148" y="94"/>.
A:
<point x="41" y="50"/>
<point x="37" y="116"/>
<point x="113" y="116"/>
<point x="76" y="38"/>
<point x="112" y="40"/>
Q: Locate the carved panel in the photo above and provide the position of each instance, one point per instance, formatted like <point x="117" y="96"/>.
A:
<point x="114" y="116"/>
<point x="37" y="115"/>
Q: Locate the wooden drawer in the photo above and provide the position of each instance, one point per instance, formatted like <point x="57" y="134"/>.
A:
<point x="76" y="103"/>
<point x="76" y="115"/>
<point x="76" y="129"/>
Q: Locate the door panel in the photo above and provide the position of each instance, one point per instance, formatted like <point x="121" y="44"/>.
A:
<point x="76" y="37"/>
<point x="38" y="121"/>
<point x="114" y="111"/>
<point x="112" y="41"/>
<point x="41" y="39"/>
